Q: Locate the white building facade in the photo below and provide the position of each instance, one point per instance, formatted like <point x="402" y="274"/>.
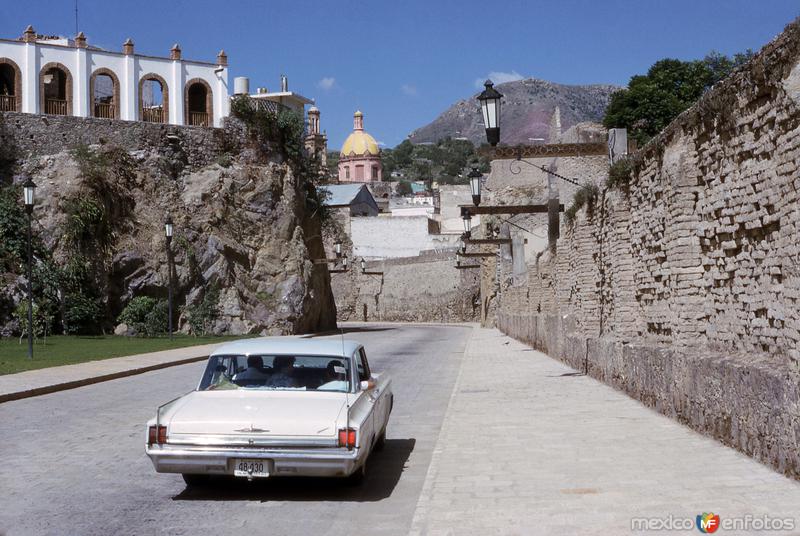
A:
<point x="63" y="77"/>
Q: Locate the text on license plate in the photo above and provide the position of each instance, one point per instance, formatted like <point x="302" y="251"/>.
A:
<point x="251" y="468"/>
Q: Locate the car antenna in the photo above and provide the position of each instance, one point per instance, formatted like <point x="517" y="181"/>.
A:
<point x="347" y="397"/>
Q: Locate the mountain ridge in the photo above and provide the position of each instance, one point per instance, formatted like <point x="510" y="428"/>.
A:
<point x="528" y="111"/>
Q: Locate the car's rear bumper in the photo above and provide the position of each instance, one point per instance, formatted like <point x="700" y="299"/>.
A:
<point x="283" y="462"/>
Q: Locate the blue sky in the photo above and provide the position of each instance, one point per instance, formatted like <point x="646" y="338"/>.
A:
<point x="404" y="62"/>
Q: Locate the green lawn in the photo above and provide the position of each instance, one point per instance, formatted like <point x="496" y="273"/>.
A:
<point x="67" y="350"/>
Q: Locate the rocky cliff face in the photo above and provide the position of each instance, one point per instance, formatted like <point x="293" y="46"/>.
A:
<point x="528" y="108"/>
<point x="243" y="230"/>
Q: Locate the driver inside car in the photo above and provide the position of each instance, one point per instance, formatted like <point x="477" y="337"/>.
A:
<point x="335" y="377"/>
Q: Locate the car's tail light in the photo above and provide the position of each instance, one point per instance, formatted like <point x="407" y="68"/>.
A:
<point x="157" y="435"/>
<point x="347" y="438"/>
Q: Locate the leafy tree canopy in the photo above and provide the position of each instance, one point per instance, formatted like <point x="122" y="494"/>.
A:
<point x="670" y="86"/>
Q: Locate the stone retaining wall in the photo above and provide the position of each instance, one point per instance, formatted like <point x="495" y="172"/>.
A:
<point x="427" y="288"/>
<point x="683" y="288"/>
<point x="33" y="135"/>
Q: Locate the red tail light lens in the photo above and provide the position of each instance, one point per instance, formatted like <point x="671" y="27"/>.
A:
<point x="347" y="438"/>
<point x="157" y="435"/>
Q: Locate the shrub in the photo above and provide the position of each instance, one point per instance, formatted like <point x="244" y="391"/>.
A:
<point x="619" y="175"/>
<point x="584" y="196"/>
<point x="201" y="316"/>
<point x="41" y="320"/>
<point x="13" y="229"/>
<point x="147" y="316"/>
<point x="87" y="226"/>
<point x="83" y="315"/>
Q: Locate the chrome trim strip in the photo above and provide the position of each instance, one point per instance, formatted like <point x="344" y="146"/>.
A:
<point x="250" y="442"/>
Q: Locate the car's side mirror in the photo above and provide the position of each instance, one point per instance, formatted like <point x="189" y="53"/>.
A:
<point x="367" y="385"/>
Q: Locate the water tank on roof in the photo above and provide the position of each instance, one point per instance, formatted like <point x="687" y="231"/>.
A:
<point x="241" y="85"/>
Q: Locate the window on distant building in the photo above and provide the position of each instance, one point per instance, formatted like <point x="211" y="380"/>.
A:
<point x="374" y="173"/>
<point x="346" y="172"/>
<point x="359" y="173"/>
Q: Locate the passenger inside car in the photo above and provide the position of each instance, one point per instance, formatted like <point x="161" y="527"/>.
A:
<point x="283" y="375"/>
<point x="254" y="373"/>
<point x="335" y="377"/>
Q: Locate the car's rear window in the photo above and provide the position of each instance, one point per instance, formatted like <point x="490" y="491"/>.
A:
<point x="277" y="372"/>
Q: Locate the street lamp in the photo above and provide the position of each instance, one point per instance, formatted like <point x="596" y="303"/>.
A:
<point x="168" y="229"/>
<point x="344" y="262"/>
<point x="363" y="265"/>
<point x="475" y="177"/>
<point x="337" y="248"/>
<point x="490" y="106"/>
<point x="467" y="217"/>
<point x="29" y="189"/>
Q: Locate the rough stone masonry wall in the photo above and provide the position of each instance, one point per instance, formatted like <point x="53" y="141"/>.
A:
<point x="32" y="135"/>
<point x="427" y="288"/>
<point x="684" y="291"/>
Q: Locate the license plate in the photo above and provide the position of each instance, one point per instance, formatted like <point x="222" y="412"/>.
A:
<point x="251" y="468"/>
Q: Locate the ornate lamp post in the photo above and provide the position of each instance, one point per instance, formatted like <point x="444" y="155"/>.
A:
<point x="168" y="229"/>
<point x="29" y="190"/>
<point x="490" y="106"/>
<point x="337" y="248"/>
<point x="363" y="265"/>
<point x="475" y="177"/>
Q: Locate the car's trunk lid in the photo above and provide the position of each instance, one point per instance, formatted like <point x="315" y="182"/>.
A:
<point x="261" y="414"/>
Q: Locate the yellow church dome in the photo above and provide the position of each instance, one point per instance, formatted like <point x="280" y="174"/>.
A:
<point x="359" y="142"/>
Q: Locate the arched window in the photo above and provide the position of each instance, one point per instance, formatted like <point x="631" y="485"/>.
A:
<point x="10" y="86"/>
<point x="104" y="86"/>
<point x="55" y="87"/>
<point x="198" y="103"/>
<point x="153" y="99"/>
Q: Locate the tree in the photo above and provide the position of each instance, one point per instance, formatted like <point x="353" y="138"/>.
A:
<point x="404" y="188"/>
<point x="652" y="101"/>
<point x="403" y="154"/>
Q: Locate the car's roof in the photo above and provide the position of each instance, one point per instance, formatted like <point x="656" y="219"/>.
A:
<point x="289" y="346"/>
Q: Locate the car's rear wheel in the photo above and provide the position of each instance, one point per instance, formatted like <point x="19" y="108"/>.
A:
<point x="195" y="480"/>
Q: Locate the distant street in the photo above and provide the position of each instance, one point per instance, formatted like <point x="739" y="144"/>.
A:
<point x="74" y="462"/>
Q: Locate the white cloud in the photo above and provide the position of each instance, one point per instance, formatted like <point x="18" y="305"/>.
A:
<point x="499" y="77"/>
<point x="327" y="83"/>
<point x="409" y="90"/>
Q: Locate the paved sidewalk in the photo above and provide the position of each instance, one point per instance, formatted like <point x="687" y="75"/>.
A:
<point x="529" y="446"/>
<point x="52" y="379"/>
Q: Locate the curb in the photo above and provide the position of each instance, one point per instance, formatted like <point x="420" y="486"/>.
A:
<point x="419" y="521"/>
<point x="38" y="391"/>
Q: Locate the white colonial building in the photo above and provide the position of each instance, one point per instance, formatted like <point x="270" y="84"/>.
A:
<point x="51" y="75"/>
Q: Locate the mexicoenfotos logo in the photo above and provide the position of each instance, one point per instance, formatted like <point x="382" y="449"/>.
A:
<point x="707" y="522"/>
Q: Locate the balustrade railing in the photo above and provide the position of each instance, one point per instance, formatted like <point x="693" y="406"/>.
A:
<point x="8" y="103"/>
<point x="199" y="119"/>
<point x="104" y="110"/>
<point x="55" y="107"/>
<point x="153" y="115"/>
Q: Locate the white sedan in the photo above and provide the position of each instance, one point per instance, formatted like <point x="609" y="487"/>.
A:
<point x="275" y="406"/>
